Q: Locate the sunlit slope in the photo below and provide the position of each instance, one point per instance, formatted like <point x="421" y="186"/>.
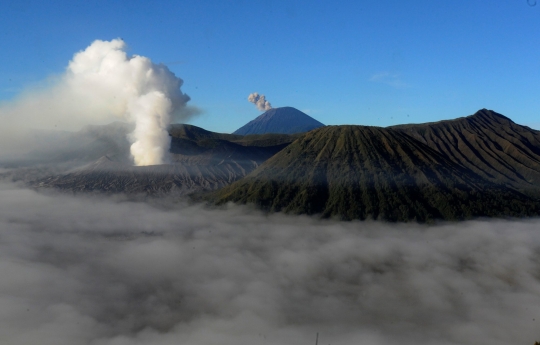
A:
<point x="488" y="143"/>
<point x="357" y="172"/>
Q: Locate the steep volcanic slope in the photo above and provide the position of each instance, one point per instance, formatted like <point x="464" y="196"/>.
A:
<point x="285" y="120"/>
<point x="357" y="172"/>
<point x="488" y="143"/>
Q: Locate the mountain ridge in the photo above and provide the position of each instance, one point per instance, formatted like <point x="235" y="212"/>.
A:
<point x="488" y="143"/>
<point x="375" y="173"/>
<point x="200" y="160"/>
<point x="482" y="165"/>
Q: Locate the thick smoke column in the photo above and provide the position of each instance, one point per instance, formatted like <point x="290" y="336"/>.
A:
<point x="138" y="90"/>
<point x="260" y="101"/>
<point x="101" y="84"/>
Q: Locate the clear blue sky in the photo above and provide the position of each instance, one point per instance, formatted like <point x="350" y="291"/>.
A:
<point x="343" y="62"/>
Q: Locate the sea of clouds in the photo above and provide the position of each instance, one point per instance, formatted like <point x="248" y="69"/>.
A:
<point x="109" y="271"/>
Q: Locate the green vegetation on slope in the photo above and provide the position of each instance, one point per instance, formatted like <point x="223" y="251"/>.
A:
<point x="357" y="172"/>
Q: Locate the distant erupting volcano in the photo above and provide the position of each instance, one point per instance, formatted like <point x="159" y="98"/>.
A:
<point x="284" y="120"/>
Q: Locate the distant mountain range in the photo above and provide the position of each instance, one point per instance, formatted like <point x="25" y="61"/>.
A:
<point x="483" y="165"/>
<point x="285" y="120"/>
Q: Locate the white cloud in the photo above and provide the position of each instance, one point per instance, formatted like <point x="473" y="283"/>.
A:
<point x="104" y="271"/>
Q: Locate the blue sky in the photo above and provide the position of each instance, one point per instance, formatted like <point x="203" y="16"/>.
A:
<point x="350" y="62"/>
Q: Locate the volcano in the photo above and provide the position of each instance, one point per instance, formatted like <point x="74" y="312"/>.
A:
<point x="284" y="120"/>
<point x="200" y="161"/>
<point x="480" y="166"/>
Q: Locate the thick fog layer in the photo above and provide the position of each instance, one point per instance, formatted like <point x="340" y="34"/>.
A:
<point x="108" y="271"/>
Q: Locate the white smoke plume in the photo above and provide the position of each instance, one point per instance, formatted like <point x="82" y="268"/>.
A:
<point x="100" y="84"/>
<point x="260" y="101"/>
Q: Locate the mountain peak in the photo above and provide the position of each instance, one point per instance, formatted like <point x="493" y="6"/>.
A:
<point x="283" y="120"/>
<point x="361" y="172"/>
<point x="490" y="115"/>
